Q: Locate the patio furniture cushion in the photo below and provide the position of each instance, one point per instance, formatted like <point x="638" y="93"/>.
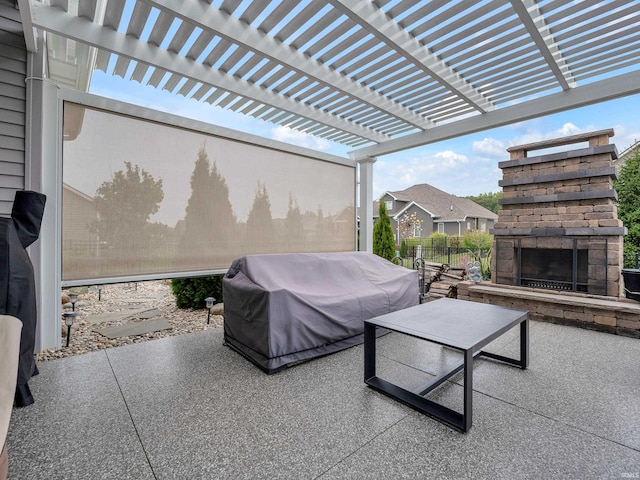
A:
<point x="282" y="309"/>
<point x="10" y="329"/>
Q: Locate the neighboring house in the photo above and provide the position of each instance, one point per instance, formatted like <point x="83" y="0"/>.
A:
<point x="78" y="211"/>
<point x="627" y="153"/>
<point x="435" y="210"/>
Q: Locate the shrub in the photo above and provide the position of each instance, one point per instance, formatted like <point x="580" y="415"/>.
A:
<point x="476" y="241"/>
<point x="404" y="249"/>
<point x="479" y="245"/>
<point x="454" y="241"/>
<point x="485" y="264"/>
<point x="485" y="267"/>
<point x="438" y="239"/>
<point x="191" y="292"/>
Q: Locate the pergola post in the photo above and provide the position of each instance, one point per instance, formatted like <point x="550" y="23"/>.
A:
<point x="42" y="174"/>
<point x="366" y="203"/>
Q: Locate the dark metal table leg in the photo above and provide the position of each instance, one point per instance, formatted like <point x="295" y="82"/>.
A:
<point x="468" y="390"/>
<point x="369" y="351"/>
<point x="524" y="343"/>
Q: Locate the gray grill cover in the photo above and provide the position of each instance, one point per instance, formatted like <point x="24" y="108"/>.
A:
<point x="282" y="309"/>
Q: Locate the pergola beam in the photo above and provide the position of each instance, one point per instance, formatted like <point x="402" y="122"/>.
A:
<point x="85" y="31"/>
<point x="376" y="22"/>
<point x="533" y="21"/>
<point x="602" y="91"/>
<point x="30" y="36"/>
<point x="219" y="22"/>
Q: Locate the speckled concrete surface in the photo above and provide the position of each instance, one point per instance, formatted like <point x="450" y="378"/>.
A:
<point x="189" y="407"/>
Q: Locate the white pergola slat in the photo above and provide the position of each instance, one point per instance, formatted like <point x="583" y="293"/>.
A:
<point x="383" y="74"/>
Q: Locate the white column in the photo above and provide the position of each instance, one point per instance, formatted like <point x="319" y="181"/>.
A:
<point x="43" y="174"/>
<point x="366" y="203"/>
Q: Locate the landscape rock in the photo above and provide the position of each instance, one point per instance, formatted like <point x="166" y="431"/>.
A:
<point x="153" y="295"/>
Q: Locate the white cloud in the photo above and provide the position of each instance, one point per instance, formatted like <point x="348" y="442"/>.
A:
<point x="568" y="129"/>
<point x="490" y="147"/>
<point x="302" y="139"/>
<point x="447" y="170"/>
<point x="533" y="135"/>
<point x="450" y="158"/>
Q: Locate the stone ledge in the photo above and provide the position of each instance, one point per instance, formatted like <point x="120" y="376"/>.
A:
<point x="553" y="157"/>
<point x="608" y="314"/>
<point x="558" y="298"/>
<point x="556" y="142"/>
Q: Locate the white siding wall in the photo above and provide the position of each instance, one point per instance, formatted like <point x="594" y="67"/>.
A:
<point x="13" y="67"/>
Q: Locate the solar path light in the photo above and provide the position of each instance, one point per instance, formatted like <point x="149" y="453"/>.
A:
<point x="210" y="302"/>
<point x="73" y="298"/>
<point x="69" y="318"/>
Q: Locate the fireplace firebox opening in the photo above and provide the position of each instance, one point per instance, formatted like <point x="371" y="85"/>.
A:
<point x="569" y="264"/>
<point x="554" y="269"/>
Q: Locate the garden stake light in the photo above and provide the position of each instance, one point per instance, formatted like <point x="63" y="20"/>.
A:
<point x="210" y="301"/>
<point x="69" y="318"/>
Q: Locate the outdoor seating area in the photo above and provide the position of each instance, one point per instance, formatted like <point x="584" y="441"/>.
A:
<point x="189" y="407"/>
<point x="170" y="141"/>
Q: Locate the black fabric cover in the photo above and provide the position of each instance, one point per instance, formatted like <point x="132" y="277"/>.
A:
<point x="17" y="281"/>
<point x="282" y="309"/>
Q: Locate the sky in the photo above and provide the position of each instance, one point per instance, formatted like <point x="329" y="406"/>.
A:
<point x="462" y="166"/>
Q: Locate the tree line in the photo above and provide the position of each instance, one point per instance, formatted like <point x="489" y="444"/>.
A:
<point x="125" y="204"/>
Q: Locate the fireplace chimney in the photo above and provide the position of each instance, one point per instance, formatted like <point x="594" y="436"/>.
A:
<point x="558" y="228"/>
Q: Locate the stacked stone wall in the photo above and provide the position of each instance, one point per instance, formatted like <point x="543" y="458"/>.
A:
<point x="561" y="196"/>
<point x="613" y="315"/>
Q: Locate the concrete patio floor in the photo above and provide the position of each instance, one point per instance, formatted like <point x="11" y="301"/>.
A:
<point x="189" y="407"/>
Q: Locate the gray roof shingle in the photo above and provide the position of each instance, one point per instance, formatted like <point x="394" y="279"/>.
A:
<point x="444" y="206"/>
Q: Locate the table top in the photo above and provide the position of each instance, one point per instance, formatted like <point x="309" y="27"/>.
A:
<point x="455" y="323"/>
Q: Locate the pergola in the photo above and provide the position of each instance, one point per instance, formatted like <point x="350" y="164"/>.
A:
<point x="379" y="76"/>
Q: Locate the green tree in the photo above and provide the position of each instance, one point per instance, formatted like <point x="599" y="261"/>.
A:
<point x="124" y="206"/>
<point x="488" y="200"/>
<point x="294" y="229"/>
<point x="209" y="218"/>
<point x="628" y="188"/>
<point x="260" y="222"/>
<point x="383" y="241"/>
<point x="404" y="249"/>
<point x="199" y="218"/>
<point x="224" y="220"/>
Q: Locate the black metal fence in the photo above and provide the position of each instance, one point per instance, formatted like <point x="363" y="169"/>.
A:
<point x="453" y="256"/>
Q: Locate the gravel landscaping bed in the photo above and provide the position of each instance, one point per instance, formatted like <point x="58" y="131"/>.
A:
<point x="153" y="295"/>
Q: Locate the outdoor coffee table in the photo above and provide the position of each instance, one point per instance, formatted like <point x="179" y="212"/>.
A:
<point x="457" y="324"/>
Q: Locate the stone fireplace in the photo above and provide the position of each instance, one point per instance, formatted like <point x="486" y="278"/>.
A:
<point x="558" y="228"/>
<point x="557" y="250"/>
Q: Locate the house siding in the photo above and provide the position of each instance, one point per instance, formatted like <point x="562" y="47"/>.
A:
<point x="13" y="72"/>
<point x="452" y="228"/>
